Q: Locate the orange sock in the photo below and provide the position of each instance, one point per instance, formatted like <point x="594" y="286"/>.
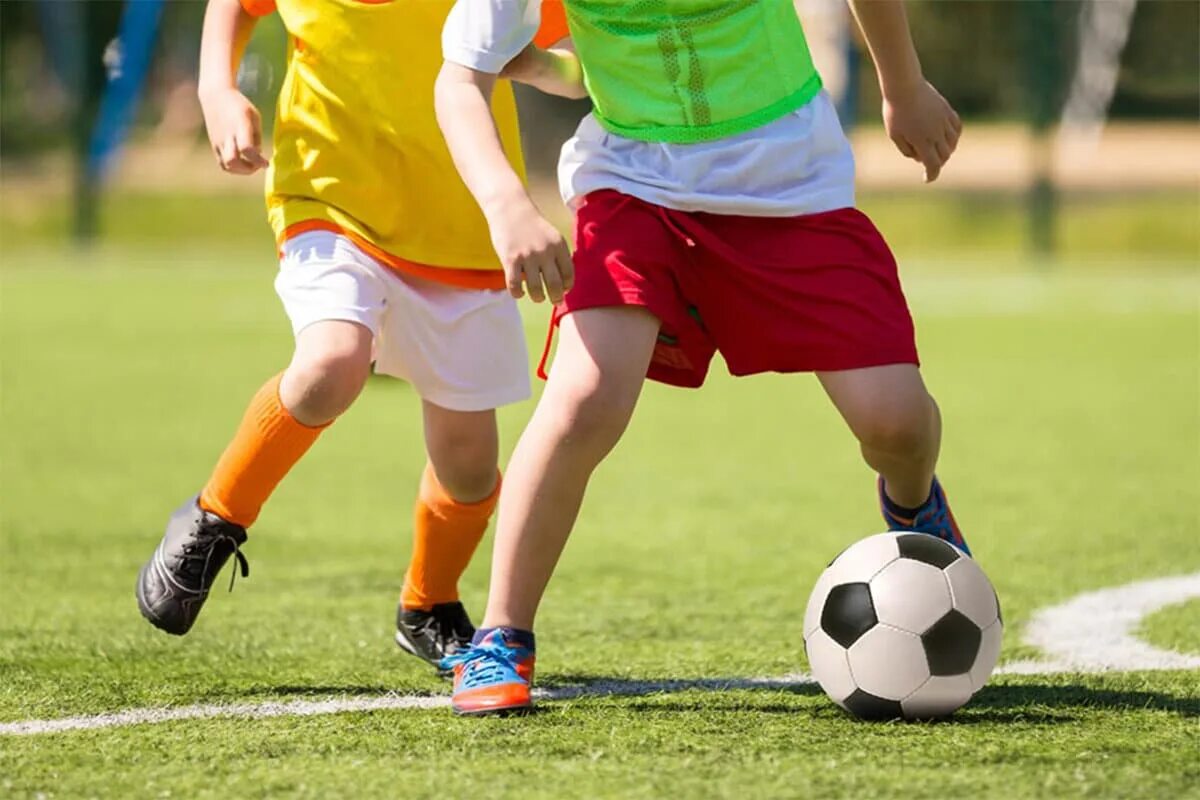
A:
<point x="445" y="535"/>
<point x="266" y="446"/>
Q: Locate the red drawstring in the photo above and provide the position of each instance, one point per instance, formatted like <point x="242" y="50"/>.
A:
<point x="556" y="317"/>
<point x="665" y="214"/>
<point x="541" y="367"/>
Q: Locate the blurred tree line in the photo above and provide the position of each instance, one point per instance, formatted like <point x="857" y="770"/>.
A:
<point x="983" y="55"/>
<point x="976" y="50"/>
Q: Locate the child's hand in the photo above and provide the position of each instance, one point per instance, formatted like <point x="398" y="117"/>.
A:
<point x="235" y="131"/>
<point x="532" y="251"/>
<point x="923" y="126"/>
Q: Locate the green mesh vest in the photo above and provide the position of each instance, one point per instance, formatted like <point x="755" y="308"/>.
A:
<point x="691" y="70"/>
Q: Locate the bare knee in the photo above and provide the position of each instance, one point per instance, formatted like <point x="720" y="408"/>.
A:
<point x="464" y="460"/>
<point x="593" y="416"/>
<point x="318" y="391"/>
<point x="327" y="373"/>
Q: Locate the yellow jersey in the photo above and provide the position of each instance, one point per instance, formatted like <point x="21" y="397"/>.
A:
<point x="357" y="147"/>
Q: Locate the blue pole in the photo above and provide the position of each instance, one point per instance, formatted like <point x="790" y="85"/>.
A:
<point x="128" y="61"/>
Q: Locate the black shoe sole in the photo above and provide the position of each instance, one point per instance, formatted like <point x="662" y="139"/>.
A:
<point x="403" y="642"/>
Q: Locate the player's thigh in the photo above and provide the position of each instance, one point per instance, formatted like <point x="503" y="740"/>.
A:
<point x="883" y="403"/>
<point x="598" y="371"/>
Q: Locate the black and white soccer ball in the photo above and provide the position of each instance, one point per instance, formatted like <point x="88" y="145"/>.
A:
<point x="902" y="625"/>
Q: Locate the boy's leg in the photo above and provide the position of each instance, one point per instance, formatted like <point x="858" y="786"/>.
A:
<point x="603" y="354"/>
<point x="464" y="353"/>
<point x="593" y="387"/>
<point x="899" y="429"/>
<point x="329" y="367"/>
<point x="335" y="304"/>
<point x="457" y="496"/>
<point x="825" y="297"/>
<point x="896" y="423"/>
<point x="624" y="320"/>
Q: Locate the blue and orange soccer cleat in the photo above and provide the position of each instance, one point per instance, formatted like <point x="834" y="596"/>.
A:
<point x="933" y="518"/>
<point x="492" y="676"/>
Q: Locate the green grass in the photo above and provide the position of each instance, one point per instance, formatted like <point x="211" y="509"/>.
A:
<point x="1175" y="628"/>
<point x="1072" y="419"/>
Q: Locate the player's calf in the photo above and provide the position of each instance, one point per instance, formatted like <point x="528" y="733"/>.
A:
<point x="456" y="499"/>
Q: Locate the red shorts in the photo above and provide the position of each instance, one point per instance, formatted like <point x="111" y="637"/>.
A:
<point x="811" y="293"/>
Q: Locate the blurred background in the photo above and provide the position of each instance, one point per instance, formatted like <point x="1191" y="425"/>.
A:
<point x="1082" y="141"/>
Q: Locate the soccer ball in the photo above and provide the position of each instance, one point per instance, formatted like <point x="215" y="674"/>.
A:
<point x="902" y="625"/>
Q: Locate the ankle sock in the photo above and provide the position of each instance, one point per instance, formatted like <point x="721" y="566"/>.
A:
<point x="511" y="635"/>
<point x="897" y="510"/>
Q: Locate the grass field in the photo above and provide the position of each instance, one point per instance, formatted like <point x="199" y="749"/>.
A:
<point x="1072" y="454"/>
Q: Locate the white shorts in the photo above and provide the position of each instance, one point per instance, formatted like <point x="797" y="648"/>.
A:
<point x="461" y="349"/>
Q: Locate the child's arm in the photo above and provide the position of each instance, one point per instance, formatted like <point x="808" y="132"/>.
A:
<point x="919" y="120"/>
<point x="532" y="251"/>
<point x="233" y="123"/>
<point x="554" y="70"/>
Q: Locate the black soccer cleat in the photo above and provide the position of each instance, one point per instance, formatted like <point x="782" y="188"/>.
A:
<point x="432" y="635"/>
<point x="174" y="583"/>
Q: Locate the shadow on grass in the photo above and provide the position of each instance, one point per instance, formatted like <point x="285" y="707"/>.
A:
<point x="1074" y="695"/>
<point x="1038" y="704"/>
<point x="828" y="711"/>
<point x="265" y="692"/>
<point x="571" y="686"/>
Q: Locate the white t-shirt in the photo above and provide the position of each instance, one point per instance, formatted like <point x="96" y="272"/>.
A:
<point x="798" y="164"/>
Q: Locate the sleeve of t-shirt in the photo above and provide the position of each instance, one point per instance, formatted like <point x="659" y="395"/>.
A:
<point x="258" y="8"/>
<point x="554" y="24"/>
<point x="484" y="35"/>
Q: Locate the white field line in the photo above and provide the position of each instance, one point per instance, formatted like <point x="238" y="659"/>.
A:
<point x="293" y="708"/>
<point x="1097" y="631"/>
<point x="1091" y="633"/>
<point x="394" y="702"/>
<point x="388" y="702"/>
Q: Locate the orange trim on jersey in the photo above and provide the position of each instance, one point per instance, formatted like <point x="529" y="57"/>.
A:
<point x="554" y="24"/>
<point x="258" y="8"/>
<point x="450" y="276"/>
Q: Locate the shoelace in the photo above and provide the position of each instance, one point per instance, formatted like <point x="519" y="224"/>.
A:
<point x="192" y="554"/>
<point x="482" y="663"/>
